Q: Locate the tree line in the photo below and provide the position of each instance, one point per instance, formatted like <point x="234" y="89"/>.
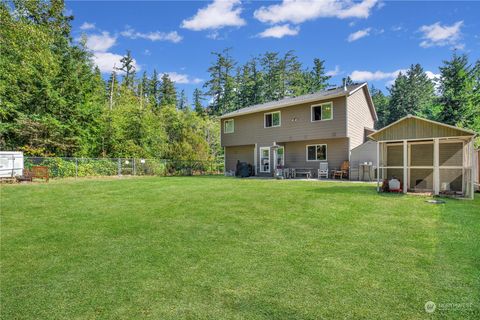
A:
<point x="453" y="97"/>
<point x="54" y="100"/>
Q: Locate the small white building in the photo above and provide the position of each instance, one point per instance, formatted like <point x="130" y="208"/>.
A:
<point x="11" y="164"/>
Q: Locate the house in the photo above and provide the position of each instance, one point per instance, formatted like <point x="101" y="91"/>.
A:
<point x="427" y="156"/>
<point x="299" y="132"/>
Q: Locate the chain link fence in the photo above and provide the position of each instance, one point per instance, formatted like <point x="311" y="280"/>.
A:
<point x="90" y="167"/>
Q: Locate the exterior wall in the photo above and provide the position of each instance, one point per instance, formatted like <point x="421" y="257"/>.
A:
<point x="359" y="116"/>
<point x="296" y="154"/>
<point x="366" y="152"/>
<point x="296" y="125"/>
<point x="238" y="153"/>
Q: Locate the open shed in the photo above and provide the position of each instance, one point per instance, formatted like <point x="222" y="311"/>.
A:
<point x="426" y="156"/>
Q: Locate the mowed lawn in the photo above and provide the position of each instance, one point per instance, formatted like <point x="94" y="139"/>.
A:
<point x="226" y="248"/>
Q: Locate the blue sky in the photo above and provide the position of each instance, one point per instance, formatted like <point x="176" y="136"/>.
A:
<point x="369" y="40"/>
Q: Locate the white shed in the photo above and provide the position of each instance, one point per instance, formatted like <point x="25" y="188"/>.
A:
<point x="11" y="164"/>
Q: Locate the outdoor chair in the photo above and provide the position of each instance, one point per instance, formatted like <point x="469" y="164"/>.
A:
<point x="343" y="172"/>
<point x="323" y="170"/>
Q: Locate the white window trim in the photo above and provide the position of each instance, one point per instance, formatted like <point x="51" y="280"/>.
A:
<point x="321" y="111"/>
<point x="315" y="145"/>
<point x="279" y="117"/>
<point x="225" y="126"/>
<point x="269" y="160"/>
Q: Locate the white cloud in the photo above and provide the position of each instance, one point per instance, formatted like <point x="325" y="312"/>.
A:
<point x="441" y="35"/>
<point x="101" y="42"/>
<point x="218" y="14"/>
<point x="432" y="76"/>
<point x="172" y="36"/>
<point x="87" y="26"/>
<point x="359" y="34"/>
<point x="107" y="60"/>
<point x="298" y="11"/>
<point x="147" y="52"/>
<point x="334" y="72"/>
<point x="182" y="78"/>
<point x="359" y="76"/>
<point x="279" y="31"/>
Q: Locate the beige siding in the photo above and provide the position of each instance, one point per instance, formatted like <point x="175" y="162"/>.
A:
<point x="296" y="125"/>
<point x="421" y="154"/>
<point x="238" y="153"/>
<point x="296" y="153"/>
<point x="359" y="116"/>
<point x="413" y="128"/>
<point x="451" y="154"/>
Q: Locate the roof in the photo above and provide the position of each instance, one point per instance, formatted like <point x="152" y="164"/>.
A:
<point x="287" y="102"/>
<point x="413" y="127"/>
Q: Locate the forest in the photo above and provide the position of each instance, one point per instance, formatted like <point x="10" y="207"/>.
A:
<point x="55" y="102"/>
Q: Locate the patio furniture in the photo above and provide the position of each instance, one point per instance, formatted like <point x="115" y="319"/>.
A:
<point x="293" y="173"/>
<point x="323" y="170"/>
<point x="307" y="172"/>
<point x="365" y="170"/>
<point x="343" y="172"/>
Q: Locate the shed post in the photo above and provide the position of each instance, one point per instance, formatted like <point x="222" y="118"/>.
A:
<point x="436" y="166"/>
<point x="378" y="167"/>
<point x="405" y="166"/>
<point x="471" y="155"/>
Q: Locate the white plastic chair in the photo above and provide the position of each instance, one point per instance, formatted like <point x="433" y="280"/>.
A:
<point x="323" y="170"/>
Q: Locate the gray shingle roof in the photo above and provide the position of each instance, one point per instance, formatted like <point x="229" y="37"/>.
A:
<point x="321" y="95"/>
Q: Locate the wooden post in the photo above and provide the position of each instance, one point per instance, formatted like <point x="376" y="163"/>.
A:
<point x="405" y="166"/>
<point x="378" y="167"/>
<point x="436" y="166"/>
<point x="472" y="164"/>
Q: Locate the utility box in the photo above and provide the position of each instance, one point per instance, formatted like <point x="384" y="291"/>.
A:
<point x="11" y="164"/>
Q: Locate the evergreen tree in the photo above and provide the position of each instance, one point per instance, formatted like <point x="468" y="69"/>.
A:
<point x="182" y="101"/>
<point x="154" y="90"/>
<point x="197" y="102"/>
<point x="381" y="103"/>
<point x="129" y="68"/>
<point x="221" y="86"/>
<point x="412" y="93"/>
<point x="458" y="92"/>
<point x="317" y="79"/>
<point x="168" y="93"/>
<point x="272" y="85"/>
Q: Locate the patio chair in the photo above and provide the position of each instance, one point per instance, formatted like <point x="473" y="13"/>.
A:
<point x="343" y="172"/>
<point x="323" y="170"/>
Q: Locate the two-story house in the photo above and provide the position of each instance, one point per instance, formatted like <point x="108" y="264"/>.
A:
<point x="303" y="131"/>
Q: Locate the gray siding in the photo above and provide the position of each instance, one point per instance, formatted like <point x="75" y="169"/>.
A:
<point x="296" y="125"/>
<point x="238" y="153"/>
<point x="359" y="117"/>
<point x="366" y="152"/>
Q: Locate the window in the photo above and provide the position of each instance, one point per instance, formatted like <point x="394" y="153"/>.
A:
<point x="322" y="112"/>
<point x="272" y="119"/>
<point x="229" y="126"/>
<point x="317" y="152"/>
<point x="265" y="159"/>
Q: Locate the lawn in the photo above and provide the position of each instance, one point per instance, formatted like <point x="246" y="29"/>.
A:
<point x="215" y="247"/>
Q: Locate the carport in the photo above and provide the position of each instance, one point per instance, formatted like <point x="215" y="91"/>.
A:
<point x="426" y="156"/>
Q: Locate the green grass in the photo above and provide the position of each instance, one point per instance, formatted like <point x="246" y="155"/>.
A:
<point x="214" y="247"/>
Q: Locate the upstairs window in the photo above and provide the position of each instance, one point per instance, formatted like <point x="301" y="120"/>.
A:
<point x="228" y="126"/>
<point x="272" y="119"/>
<point x="322" y="112"/>
<point x="317" y="152"/>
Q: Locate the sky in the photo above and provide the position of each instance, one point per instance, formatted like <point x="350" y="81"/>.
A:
<point x="368" y="40"/>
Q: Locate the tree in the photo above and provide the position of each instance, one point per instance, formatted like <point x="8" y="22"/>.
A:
<point x="197" y="102"/>
<point x="182" y="102"/>
<point x="221" y="86"/>
<point x="168" y="93"/>
<point x="128" y="66"/>
<point x="154" y="90"/>
<point x="459" y="92"/>
<point x="317" y="79"/>
<point x="381" y="103"/>
<point x="411" y="93"/>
